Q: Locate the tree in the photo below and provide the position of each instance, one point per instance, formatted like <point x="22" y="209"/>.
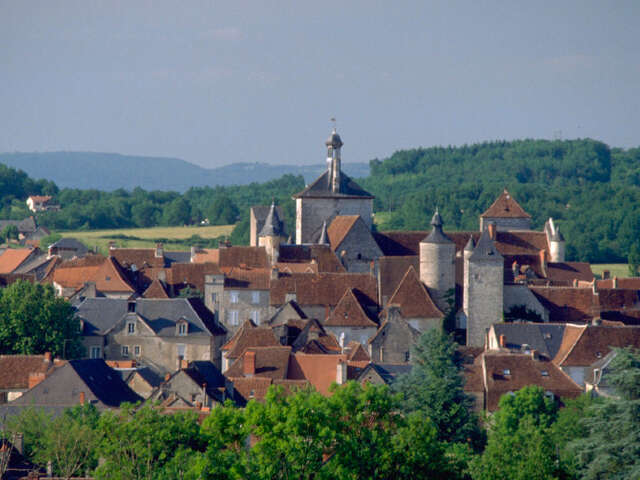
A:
<point x="10" y="232"/>
<point x="34" y="321"/>
<point x="177" y="212"/>
<point x="435" y="388"/>
<point x="634" y="259"/>
<point x="520" y="444"/>
<point x="222" y="211"/>
<point x="611" y="446"/>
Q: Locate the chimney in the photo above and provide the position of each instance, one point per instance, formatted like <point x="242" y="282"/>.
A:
<point x="341" y="372"/>
<point x="159" y="251"/>
<point x="372" y="268"/>
<point x="543" y="262"/>
<point x="606" y="274"/>
<point x="184" y="364"/>
<point x="47" y="357"/>
<point x="393" y="312"/>
<point x="503" y="341"/>
<point x="193" y="254"/>
<point x="575" y="283"/>
<point x="82" y="399"/>
<point x="492" y="230"/>
<point x="35" y="379"/>
<point x="275" y="273"/>
<point x="205" y="398"/>
<point x="594" y="286"/>
<point x="326" y="313"/>
<point x="167" y="377"/>
<point x="535" y="354"/>
<point x="249" y="364"/>
<point x="198" y="405"/>
<point x="615" y="282"/>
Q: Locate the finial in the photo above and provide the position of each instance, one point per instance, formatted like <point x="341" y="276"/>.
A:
<point x="333" y="119"/>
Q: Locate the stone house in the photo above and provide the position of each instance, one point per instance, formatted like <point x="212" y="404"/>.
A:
<point x="383" y="373"/>
<point x="19" y="373"/>
<point x="156" y="332"/>
<point x="349" y="321"/>
<point x="506" y="213"/>
<point x="248" y="335"/>
<point x="41" y="203"/>
<point x="109" y="278"/>
<point x="351" y="240"/>
<point x="393" y="341"/>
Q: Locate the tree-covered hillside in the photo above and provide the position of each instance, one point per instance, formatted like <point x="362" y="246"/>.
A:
<point x="591" y="191"/>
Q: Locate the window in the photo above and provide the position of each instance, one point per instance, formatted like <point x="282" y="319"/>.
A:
<point x="136" y="350"/>
<point x="95" y="352"/>
<point x="233" y="317"/>
<point x="131" y="328"/>
<point x="181" y="349"/>
<point x="255" y="297"/>
<point x="125" y="350"/>
<point x="255" y="316"/>
<point x="131" y="306"/>
<point x="506" y="371"/>
<point x="214" y="297"/>
<point x="407" y="356"/>
<point x="544" y="373"/>
<point x="234" y="296"/>
<point x="182" y="328"/>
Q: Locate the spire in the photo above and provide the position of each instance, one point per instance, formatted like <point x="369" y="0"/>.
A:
<point x="324" y="240"/>
<point x="470" y="245"/>
<point x="436" y="235"/>
<point x="272" y="225"/>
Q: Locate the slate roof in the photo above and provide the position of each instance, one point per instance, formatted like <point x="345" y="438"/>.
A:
<point x="389" y="372"/>
<point x="321" y="188"/>
<point x="101" y="314"/>
<point x="436" y="235"/>
<point x="324" y="288"/>
<point x="25" y="226"/>
<point x="413" y="298"/>
<point x="100" y="384"/>
<point x="70" y="243"/>
<point x="584" y="345"/>
<point x="546" y="338"/>
<point x="485" y="250"/>
<point x="272" y="225"/>
<point x="349" y="313"/>
<point x="507" y="372"/>
<point x="505" y="206"/>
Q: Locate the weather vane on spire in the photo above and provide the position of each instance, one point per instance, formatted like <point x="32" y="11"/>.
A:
<point x="333" y="119"/>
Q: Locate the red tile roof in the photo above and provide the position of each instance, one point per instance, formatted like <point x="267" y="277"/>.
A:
<point x="392" y="271"/>
<point x="252" y="257"/>
<point x="356" y="352"/>
<point x="140" y="257"/>
<point x="40" y="198"/>
<point x="319" y="370"/>
<point x="507" y="372"/>
<point x="321" y="256"/>
<point x="249" y="336"/>
<point x="270" y="362"/>
<point x="204" y="255"/>
<point x="413" y="298"/>
<point x="156" y="290"/>
<point x="182" y="274"/>
<point x="349" y="313"/>
<point x="323" y="289"/>
<point x="15" y="370"/>
<point x="627" y="283"/>
<point x="567" y="304"/>
<point x="566" y="272"/>
<point x="505" y="206"/>
<point x="253" y="279"/>
<point x="111" y="278"/>
<point x="582" y="346"/>
<point x="11" y="258"/>
<point x="340" y="228"/>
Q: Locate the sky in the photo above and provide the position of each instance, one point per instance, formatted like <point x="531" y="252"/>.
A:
<point x="216" y="83"/>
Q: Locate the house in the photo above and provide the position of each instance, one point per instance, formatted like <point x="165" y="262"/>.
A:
<point x="349" y="319"/>
<point x="248" y="335"/>
<point x="506" y="213"/>
<point x="108" y="276"/>
<point x="526" y="337"/>
<point x="19" y="373"/>
<point x="12" y="259"/>
<point x="159" y="333"/>
<point x="393" y="341"/>
<point x="76" y="382"/>
<point x="494" y="374"/>
<point x="67" y="248"/>
<point x="41" y="203"/>
<point x="351" y="240"/>
<point x="383" y="373"/>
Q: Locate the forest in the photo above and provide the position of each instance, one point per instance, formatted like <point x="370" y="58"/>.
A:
<point x="423" y="427"/>
<point x="591" y="190"/>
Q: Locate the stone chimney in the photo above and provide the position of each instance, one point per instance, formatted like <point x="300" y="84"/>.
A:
<point x="543" y="261"/>
<point x="82" y="398"/>
<point x="159" y="250"/>
<point x="503" y="341"/>
<point x="341" y="372"/>
<point x="194" y="250"/>
<point x="615" y="282"/>
<point x="249" y="364"/>
<point x="184" y="364"/>
<point x="35" y="378"/>
<point x="492" y="230"/>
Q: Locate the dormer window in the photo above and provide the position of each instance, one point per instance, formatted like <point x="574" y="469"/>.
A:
<point x="182" y="328"/>
<point x="131" y="307"/>
<point x="131" y="328"/>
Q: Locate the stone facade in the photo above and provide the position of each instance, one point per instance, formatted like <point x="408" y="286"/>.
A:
<point x="358" y="250"/>
<point x="393" y="341"/>
<point x="438" y="271"/>
<point x="311" y="212"/>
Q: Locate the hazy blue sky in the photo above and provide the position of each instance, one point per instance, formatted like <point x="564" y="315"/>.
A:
<point x="223" y="82"/>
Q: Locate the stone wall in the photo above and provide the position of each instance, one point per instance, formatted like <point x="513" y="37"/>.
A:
<point x="360" y="249"/>
<point x="484" y="290"/>
<point x="312" y="212"/>
<point x="506" y="224"/>
<point x="357" y="334"/>
<point x="438" y="270"/>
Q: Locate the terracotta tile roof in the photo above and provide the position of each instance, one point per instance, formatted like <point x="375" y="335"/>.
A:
<point x="40" y="198"/>
<point x="251" y="336"/>
<point x="319" y="370"/>
<point x="181" y="275"/>
<point x="618" y="299"/>
<point x="11" y="258"/>
<point x="140" y="257"/>
<point x="413" y="298"/>
<point x="356" y="352"/>
<point x="321" y="255"/>
<point x="349" y="313"/>
<point x="520" y="242"/>
<point x="156" y="290"/>
<point x="111" y="278"/>
<point x="207" y="255"/>
<point x="74" y="277"/>
<point x="270" y="362"/>
<point x="392" y="271"/>
<point x="7" y="279"/>
<point x="15" y="370"/>
<point x="252" y="257"/>
<point x="255" y="388"/>
<point x="246" y="325"/>
<point x="400" y="243"/>
<point x="324" y="288"/>
<point x="626" y="283"/>
<point x="566" y="272"/>
<point x="340" y="228"/>
<point x="507" y="372"/>
<point x="567" y="304"/>
<point x="582" y="346"/>
<point x="253" y="279"/>
<point x="505" y="206"/>
<point x="313" y="338"/>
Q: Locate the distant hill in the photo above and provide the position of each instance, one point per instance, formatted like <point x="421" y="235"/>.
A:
<point x="110" y="171"/>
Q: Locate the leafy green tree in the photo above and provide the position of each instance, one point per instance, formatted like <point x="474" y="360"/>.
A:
<point x="520" y="443"/>
<point x="33" y="320"/>
<point x="32" y="423"/>
<point x="223" y="211"/>
<point x="178" y="212"/>
<point x="611" y="446"/>
<point x="49" y="240"/>
<point x="435" y="387"/>
<point x="10" y="232"/>
<point x="145" y="214"/>
<point x="634" y="259"/>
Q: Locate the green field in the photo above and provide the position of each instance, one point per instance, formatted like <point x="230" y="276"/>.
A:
<point x="619" y="270"/>
<point x="146" y="237"/>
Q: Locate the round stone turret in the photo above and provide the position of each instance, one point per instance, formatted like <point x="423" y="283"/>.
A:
<point x="437" y="264"/>
<point x="556" y="246"/>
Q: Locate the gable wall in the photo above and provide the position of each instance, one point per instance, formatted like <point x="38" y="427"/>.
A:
<point x="312" y="212"/>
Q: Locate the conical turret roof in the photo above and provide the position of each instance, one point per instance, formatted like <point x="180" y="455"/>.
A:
<point x="470" y="245"/>
<point x="486" y="249"/>
<point x="324" y="239"/>
<point x="436" y="235"/>
<point x="272" y="225"/>
<point x="334" y="140"/>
